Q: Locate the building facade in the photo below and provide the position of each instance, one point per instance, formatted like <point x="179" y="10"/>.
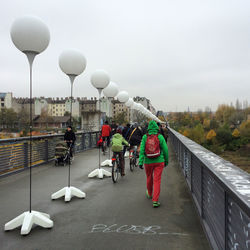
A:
<point x="5" y="100"/>
<point x="119" y="107"/>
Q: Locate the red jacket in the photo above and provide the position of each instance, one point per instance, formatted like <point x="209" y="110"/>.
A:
<point x="106" y="129"/>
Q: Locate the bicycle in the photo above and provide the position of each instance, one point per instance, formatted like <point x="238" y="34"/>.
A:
<point x="116" y="167"/>
<point x="132" y="158"/>
<point x="104" y="145"/>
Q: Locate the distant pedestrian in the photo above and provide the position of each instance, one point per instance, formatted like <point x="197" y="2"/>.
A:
<point x="125" y="131"/>
<point x="165" y="131"/>
<point x="154" y="155"/>
<point x="106" y="131"/>
<point x="113" y="128"/>
<point x="70" y="138"/>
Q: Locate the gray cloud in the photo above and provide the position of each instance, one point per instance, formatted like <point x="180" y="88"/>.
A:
<point x="177" y="53"/>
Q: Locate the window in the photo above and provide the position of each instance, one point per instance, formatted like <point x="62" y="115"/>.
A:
<point x="2" y="104"/>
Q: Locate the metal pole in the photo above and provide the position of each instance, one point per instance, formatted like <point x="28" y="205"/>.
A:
<point x="110" y="115"/>
<point x="30" y="56"/>
<point x="72" y="78"/>
<point x="99" y="91"/>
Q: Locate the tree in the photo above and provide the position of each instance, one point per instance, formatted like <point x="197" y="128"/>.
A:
<point x="186" y="133"/>
<point x="236" y="133"/>
<point x="223" y="113"/>
<point x="238" y="105"/>
<point x="139" y="118"/>
<point x="210" y="135"/>
<point x="197" y="134"/>
<point x="206" y="123"/>
<point x="8" y="118"/>
<point x="121" y="118"/>
<point x="224" y="135"/>
<point x="236" y="118"/>
<point x="245" y="130"/>
<point x="214" y="124"/>
<point x="23" y="121"/>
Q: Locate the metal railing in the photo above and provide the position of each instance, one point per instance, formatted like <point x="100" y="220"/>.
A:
<point x="14" y="153"/>
<point x="221" y="192"/>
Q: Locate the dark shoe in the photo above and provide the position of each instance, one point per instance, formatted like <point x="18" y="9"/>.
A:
<point x="156" y="204"/>
<point x="123" y="174"/>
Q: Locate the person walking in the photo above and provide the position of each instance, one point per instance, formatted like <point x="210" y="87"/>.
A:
<point x="106" y="131"/>
<point x="70" y="138"/>
<point x="113" y="128"/>
<point x="154" y="155"/>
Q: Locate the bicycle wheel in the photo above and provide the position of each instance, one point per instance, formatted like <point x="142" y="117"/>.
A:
<point x="115" y="171"/>
<point x="131" y="164"/>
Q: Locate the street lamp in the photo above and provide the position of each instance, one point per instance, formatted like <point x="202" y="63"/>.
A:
<point x="99" y="80"/>
<point x="31" y="36"/>
<point x="110" y="92"/>
<point x="72" y="63"/>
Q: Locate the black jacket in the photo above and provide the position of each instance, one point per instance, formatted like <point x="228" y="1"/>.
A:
<point x="126" y="132"/>
<point x="136" y="137"/>
<point x="69" y="136"/>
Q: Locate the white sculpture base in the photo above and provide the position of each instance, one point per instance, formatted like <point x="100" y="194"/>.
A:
<point x="27" y="219"/>
<point x="100" y="173"/>
<point x="68" y="192"/>
<point x="107" y="163"/>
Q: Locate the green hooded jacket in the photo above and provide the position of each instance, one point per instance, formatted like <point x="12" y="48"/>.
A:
<point x="117" y="142"/>
<point x="153" y="129"/>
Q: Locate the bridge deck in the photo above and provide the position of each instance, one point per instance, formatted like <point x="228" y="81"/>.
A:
<point x="113" y="216"/>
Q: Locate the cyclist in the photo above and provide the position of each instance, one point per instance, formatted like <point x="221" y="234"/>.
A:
<point x="106" y="130"/>
<point x="117" y="147"/>
<point x="135" y="137"/>
<point x="70" y="138"/>
<point x="125" y="134"/>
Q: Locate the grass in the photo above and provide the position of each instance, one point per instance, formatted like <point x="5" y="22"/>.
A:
<point x="240" y="158"/>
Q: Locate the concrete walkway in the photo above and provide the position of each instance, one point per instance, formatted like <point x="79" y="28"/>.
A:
<point x="113" y="216"/>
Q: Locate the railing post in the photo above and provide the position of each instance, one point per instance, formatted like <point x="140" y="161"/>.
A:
<point x="83" y="141"/>
<point x="191" y="173"/>
<point x="90" y="140"/>
<point x="46" y="150"/>
<point x="226" y="218"/>
<point x="25" y="153"/>
<point x="202" y="172"/>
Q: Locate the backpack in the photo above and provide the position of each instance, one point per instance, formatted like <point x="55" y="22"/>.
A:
<point x="152" y="146"/>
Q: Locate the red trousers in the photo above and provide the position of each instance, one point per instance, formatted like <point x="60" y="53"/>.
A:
<point x="154" y="172"/>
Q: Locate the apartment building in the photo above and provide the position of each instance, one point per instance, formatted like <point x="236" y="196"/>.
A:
<point x="5" y="100"/>
<point x="119" y="107"/>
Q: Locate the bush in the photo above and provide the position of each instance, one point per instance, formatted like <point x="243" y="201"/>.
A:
<point x="217" y="149"/>
<point x="224" y="135"/>
<point x="234" y="145"/>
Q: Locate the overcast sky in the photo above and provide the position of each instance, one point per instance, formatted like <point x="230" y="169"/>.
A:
<point x="177" y="53"/>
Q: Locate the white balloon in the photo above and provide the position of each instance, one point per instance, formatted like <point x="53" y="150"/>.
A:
<point x="30" y="34"/>
<point x="111" y="90"/>
<point x="123" y="96"/>
<point x="100" y="79"/>
<point x="72" y="62"/>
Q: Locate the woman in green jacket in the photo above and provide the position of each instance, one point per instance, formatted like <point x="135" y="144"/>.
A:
<point x="153" y="165"/>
